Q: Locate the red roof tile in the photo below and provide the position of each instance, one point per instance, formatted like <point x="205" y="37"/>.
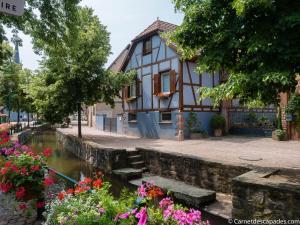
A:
<point x="157" y="26"/>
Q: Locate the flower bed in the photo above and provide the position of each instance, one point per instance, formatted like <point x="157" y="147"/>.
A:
<point x="92" y="203"/>
<point x="22" y="173"/>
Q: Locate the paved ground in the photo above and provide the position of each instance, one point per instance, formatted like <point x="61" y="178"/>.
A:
<point x="229" y="150"/>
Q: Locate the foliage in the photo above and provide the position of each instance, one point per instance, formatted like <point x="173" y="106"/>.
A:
<point x="42" y="20"/>
<point x="256" y="42"/>
<point x="193" y="125"/>
<point x="73" y="71"/>
<point x="280" y="134"/>
<point x="293" y="106"/>
<point x="92" y="203"/>
<point x="218" y="122"/>
<point x="22" y="173"/>
<point x="279" y="119"/>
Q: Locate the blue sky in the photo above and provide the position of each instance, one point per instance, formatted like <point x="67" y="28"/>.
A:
<point x="124" y="20"/>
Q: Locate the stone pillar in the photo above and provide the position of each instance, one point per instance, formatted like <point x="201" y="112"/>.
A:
<point x="180" y="124"/>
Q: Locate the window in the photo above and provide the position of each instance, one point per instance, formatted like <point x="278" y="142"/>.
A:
<point x="147" y="46"/>
<point x="131" y="90"/>
<point x="132" y="117"/>
<point x="165" y="117"/>
<point x="165" y="82"/>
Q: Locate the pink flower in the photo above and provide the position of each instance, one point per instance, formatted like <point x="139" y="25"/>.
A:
<point x="142" y="191"/>
<point x="23" y="171"/>
<point x="165" y="202"/>
<point x="40" y="205"/>
<point x="124" y="215"/>
<point x="168" y="212"/>
<point x="101" y="211"/>
<point x="20" y="193"/>
<point x="47" y="152"/>
<point x="194" y="216"/>
<point x="180" y="216"/>
<point x="23" y="206"/>
<point x="142" y="216"/>
<point x="48" y="181"/>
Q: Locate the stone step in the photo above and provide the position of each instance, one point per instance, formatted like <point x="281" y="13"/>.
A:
<point x="133" y="153"/>
<point x="134" y="158"/>
<point x="183" y="193"/>
<point x="128" y="173"/>
<point x="137" y="165"/>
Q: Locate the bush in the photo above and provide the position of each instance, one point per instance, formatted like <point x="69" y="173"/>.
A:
<point x="218" y="122"/>
<point x="91" y="203"/>
<point x="280" y="135"/>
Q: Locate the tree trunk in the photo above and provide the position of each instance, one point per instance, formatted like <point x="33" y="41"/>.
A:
<point x="28" y="120"/>
<point x="18" y="120"/>
<point x="8" y="115"/>
<point x="79" y="120"/>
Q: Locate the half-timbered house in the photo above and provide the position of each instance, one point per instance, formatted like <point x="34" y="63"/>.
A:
<point x="158" y="103"/>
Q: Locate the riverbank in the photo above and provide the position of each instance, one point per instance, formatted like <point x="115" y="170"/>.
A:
<point x="179" y="161"/>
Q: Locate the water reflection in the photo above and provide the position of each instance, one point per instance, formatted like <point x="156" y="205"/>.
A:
<point x="61" y="160"/>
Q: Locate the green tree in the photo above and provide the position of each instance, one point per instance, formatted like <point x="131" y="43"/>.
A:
<point x="74" y="73"/>
<point x="256" y="42"/>
<point x="43" y="19"/>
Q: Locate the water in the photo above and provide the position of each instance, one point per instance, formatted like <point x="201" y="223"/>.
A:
<point x="70" y="165"/>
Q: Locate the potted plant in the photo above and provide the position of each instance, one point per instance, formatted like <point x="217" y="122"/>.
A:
<point x="279" y="135"/>
<point x="91" y="202"/>
<point x="22" y="173"/>
<point x="194" y="127"/>
<point x="218" y="125"/>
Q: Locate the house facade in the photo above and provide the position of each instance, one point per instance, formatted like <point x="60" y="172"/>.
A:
<point x="159" y="102"/>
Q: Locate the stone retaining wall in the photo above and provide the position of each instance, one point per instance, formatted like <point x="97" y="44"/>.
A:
<point x="258" y="196"/>
<point x="23" y="136"/>
<point x="192" y="170"/>
<point x="106" y="159"/>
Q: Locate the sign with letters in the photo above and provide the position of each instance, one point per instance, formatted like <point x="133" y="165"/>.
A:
<point x="12" y="7"/>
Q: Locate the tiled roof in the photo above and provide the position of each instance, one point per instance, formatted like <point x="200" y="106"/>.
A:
<point x="116" y="65"/>
<point x="158" y="25"/>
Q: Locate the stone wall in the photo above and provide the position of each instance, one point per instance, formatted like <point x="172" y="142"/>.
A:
<point x="256" y="195"/>
<point x="192" y="170"/>
<point x="106" y="159"/>
<point x="23" y="136"/>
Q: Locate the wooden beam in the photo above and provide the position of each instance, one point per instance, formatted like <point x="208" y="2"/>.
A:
<point x="180" y="78"/>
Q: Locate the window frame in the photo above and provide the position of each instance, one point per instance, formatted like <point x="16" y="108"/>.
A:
<point x="145" y="50"/>
<point x="132" y="90"/>
<point x="161" y="120"/>
<point x="161" y="75"/>
<point x="130" y="120"/>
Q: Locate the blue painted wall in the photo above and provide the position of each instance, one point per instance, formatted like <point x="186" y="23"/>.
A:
<point x="148" y="125"/>
<point x="204" y="118"/>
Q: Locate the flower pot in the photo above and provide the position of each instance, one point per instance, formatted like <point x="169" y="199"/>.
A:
<point x="218" y="132"/>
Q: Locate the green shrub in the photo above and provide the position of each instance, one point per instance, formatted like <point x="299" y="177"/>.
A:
<point x="280" y="134"/>
<point x="218" y="122"/>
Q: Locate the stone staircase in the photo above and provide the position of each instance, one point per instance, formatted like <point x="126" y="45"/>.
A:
<point x="136" y="174"/>
<point x="136" y="167"/>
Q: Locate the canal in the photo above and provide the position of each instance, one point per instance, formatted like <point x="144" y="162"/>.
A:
<point x="70" y="165"/>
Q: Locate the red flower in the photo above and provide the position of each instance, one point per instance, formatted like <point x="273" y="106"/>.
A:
<point x="20" y="193"/>
<point x="48" y="181"/>
<point x="80" y="189"/>
<point x="15" y="168"/>
<point x="23" y="206"/>
<point x="7" y="164"/>
<point x="47" y="152"/>
<point x="3" y="171"/>
<point x="155" y="192"/>
<point x="5" y="187"/>
<point x="35" y="168"/>
<point x="70" y="191"/>
<point x="85" y="181"/>
<point x="23" y="171"/>
<point x="61" y="196"/>
<point x="98" y="183"/>
<point x="40" y="204"/>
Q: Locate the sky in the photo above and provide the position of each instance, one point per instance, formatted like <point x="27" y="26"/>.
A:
<point x="124" y="20"/>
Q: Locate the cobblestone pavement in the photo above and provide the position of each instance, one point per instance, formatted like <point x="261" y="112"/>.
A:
<point x="10" y="214"/>
<point x="234" y="150"/>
